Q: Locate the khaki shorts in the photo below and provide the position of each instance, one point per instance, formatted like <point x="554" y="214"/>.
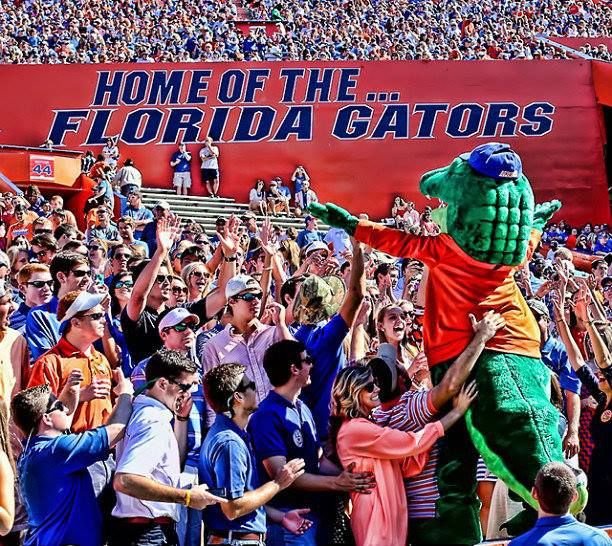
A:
<point x="181" y="179"/>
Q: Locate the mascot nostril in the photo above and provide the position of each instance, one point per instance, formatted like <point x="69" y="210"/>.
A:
<point x="492" y="226"/>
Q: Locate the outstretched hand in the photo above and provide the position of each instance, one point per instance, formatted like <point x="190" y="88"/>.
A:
<point x="543" y="213"/>
<point x="334" y="216"/>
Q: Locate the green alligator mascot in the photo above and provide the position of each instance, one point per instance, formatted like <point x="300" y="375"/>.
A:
<point x="491" y="226"/>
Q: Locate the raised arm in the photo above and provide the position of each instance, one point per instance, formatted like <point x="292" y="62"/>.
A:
<point x="357" y="286"/>
<point x="458" y="373"/>
<point x="168" y="231"/>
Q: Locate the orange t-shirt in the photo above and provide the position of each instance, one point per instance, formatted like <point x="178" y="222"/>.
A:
<point x="55" y="366"/>
<point x="457" y="286"/>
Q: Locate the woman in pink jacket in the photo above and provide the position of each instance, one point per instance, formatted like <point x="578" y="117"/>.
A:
<point x="381" y="518"/>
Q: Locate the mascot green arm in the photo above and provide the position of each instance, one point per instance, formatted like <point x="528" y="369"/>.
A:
<point x="335" y="216"/>
<point x="544" y="212"/>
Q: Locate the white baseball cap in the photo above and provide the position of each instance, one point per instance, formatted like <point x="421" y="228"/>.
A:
<point x="314" y="246"/>
<point x="176" y="316"/>
<point x="240" y="283"/>
<point x="83" y="302"/>
<point x="162" y="204"/>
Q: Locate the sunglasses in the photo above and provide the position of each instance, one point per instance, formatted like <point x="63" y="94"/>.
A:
<point x="124" y="284"/>
<point x="40" y="284"/>
<point x="122" y="256"/>
<point x="249" y="296"/>
<point x="182" y="326"/>
<point x="200" y="274"/>
<point x="179" y="290"/>
<point x="78" y="273"/>
<point x="41" y="231"/>
<point x="162" y="279"/>
<point x="55" y="405"/>
<point x="185" y="387"/>
<point x="95" y="316"/>
<point x="369" y="387"/>
<point x="202" y="242"/>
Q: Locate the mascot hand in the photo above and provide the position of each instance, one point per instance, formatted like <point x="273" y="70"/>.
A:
<point x="334" y="216"/>
<point x="543" y="213"/>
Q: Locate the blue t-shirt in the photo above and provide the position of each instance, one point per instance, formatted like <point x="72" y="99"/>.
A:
<point x="18" y="318"/>
<point x="149" y="236"/>
<point x="554" y="356"/>
<point x="305" y="237"/>
<point x="142" y="213"/>
<point x="105" y="185"/>
<point x="57" y="491"/>
<point x="183" y="165"/>
<point x="42" y="328"/>
<point x="561" y="531"/>
<point x="323" y="343"/>
<point x="280" y="428"/>
<point x="227" y="460"/>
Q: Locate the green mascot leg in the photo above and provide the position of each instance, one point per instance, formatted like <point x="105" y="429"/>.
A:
<point x="514" y="427"/>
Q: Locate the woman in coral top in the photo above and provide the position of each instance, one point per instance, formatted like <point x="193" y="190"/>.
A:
<point x="381" y="518"/>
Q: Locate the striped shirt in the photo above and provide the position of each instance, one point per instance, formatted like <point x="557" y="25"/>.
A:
<point x="410" y="414"/>
<point x="229" y="346"/>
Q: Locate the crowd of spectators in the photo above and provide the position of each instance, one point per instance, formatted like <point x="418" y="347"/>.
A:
<point x="37" y="31"/>
<point x="236" y="381"/>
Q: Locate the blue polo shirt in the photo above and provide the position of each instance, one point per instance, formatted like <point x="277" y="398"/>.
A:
<point x="305" y="237"/>
<point x="57" y="491"/>
<point x="142" y="213"/>
<point x="562" y="531"/>
<point x="18" y="318"/>
<point x="281" y="428"/>
<point x="554" y="356"/>
<point x="227" y="460"/>
<point x="42" y="329"/>
<point x="324" y="343"/>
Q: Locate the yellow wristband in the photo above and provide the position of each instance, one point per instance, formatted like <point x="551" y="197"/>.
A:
<point x="187" y="497"/>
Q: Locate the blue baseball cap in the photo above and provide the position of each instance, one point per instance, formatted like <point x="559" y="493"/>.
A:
<point x="495" y="160"/>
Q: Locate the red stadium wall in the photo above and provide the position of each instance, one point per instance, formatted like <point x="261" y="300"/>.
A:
<point x="364" y="130"/>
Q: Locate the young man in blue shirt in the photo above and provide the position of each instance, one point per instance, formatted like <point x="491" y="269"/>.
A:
<point x="555" y="490"/>
<point x="227" y="462"/>
<point x="325" y="318"/>
<point x="55" y="485"/>
<point x="283" y="429"/>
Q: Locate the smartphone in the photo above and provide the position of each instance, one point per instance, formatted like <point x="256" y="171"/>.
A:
<point x="218" y="492"/>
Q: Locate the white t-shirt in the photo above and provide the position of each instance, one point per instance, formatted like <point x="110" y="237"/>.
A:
<point x="149" y="448"/>
<point x="340" y="239"/>
<point x="209" y="160"/>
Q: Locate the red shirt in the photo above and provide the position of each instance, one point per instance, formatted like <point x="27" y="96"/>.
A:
<point x="55" y="366"/>
<point x="457" y="286"/>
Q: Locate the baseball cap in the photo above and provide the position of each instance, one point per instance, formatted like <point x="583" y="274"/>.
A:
<point x="248" y="215"/>
<point x="495" y="160"/>
<point x="176" y="316"/>
<point x="240" y="283"/>
<point x="83" y="302"/>
<point x="538" y="307"/>
<point x="308" y="218"/>
<point x="162" y="204"/>
<point x="318" y="299"/>
<point x="314" y="246"/>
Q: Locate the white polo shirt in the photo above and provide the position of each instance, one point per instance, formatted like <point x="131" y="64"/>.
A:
<point x="149" y="448"/>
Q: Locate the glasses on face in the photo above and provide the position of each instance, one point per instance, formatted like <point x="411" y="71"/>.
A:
<point x="55" y="405"/>
<point x="178" y="290"/>
<point x="369" y="387"/>
<point x="95" y="316"/>
<point x="122" y="256"/>
<point x="162" y="279"/>
<point x="606" y="288"/>
<point x="182" y="326"/>
<point x="95" y="247"/>
<point x="124" y="284"/>
<point x="185" y="387"/>
<point x="40" y="284"/>
<point x="202" y="242"/>
<point x="249" y="296"/>
<point x="41" y="231"/>
<point x="200" y="274"/>
<point x="79" y="273"/>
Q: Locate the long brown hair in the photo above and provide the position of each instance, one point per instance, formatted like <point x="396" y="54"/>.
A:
<point x="345" y="402"/>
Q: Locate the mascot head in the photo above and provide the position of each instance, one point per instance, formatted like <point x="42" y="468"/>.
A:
<point x="490" y="209"/>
